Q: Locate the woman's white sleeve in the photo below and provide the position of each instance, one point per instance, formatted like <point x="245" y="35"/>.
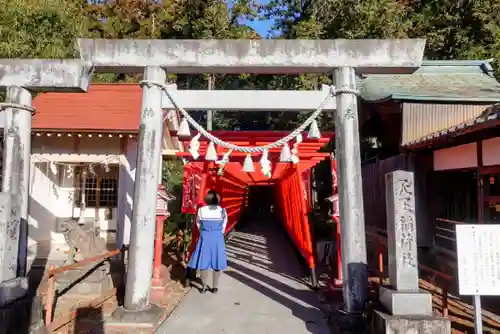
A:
<point x="198" y="218"/>
<point x="224" y="219"/>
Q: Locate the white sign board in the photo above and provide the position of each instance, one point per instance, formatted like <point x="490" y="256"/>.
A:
<point x="478" y="255"/>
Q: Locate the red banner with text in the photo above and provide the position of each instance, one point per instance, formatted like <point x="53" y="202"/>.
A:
<point x="191" y="188"/>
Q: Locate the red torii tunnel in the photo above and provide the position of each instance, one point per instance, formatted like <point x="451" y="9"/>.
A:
<point x="290" y="182"/>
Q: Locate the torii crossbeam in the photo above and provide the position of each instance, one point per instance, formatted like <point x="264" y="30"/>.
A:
<point x="342" y="58"/>
<point x="20" y="78"/>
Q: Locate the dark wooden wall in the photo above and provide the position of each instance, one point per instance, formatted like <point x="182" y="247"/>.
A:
<point x="374" y="194"/>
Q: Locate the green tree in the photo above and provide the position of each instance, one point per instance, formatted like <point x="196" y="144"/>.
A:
<point x="338" y="18"/>
<point x="453" y="29"/>
<point x="40" y="28"/>
<point x="172" y="175"/>
<point x="456" y="29"/>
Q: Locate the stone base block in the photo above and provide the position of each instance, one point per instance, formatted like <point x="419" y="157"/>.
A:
<point x="143" y="320"/>
<point x="123" y="321"/>
<point x="85" y="286"/>
<point x="163" y="280"/>
<point x="92" y="274"/>
<point x="406" y="303"/>
<point x="388" y="324"/>
<point x="12" y="290"/>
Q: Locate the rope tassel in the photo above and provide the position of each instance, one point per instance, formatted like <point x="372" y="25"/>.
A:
<point x="265" y="164"/>
<point x="69" y="172"/>
<point x="194" y="146"/>
<point x="225" y="158"/>
<point x="184" y="128"/>
<point x="314" y="131"/>
<point x="222" y="163"/>
<point x="286" y="155"/>
<point x="310" y="123"/>
<point x="295" y="150"/>
<point x="211" y="154"/>
<point x="248" y="166"/>
<point x="53" y="168"/>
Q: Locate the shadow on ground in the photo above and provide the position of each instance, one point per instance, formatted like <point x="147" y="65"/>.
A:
<point x="262" y="291"/>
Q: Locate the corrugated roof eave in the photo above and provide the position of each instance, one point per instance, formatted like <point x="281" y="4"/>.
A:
<point x="427" y="98"/>
<point x="454" y="130"/>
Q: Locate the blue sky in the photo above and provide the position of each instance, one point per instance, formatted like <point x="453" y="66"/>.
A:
<point x="262" y="27"/>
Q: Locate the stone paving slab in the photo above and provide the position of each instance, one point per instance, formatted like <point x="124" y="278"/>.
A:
<point x="262" y="292"/>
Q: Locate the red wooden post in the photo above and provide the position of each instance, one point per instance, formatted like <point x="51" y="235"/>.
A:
<point x="158" y="250"/>
<point x="340" y="277"/>
<point x="161" y="215"/>
<point x="49" y="301"/>
<point x="380" y="254"/>
<point x="338" y="281"/>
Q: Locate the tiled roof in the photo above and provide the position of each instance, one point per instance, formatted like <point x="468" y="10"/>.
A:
<point x="106" y="107"/>
<point x="458" y="81"/>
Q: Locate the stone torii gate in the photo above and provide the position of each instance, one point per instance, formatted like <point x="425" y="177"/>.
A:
<point x="342" y="58"/>
<point x="20" y="78"/>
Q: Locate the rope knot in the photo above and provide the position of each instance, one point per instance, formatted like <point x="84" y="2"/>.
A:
<point x="344" y="90"/>
<point x="6" y="105"/>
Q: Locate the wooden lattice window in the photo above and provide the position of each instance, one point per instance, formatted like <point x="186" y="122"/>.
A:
<point x="100" y="188"/>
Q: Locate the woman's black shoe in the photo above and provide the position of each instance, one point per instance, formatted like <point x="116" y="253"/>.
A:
<point x="214" y="290"/>
<point x="204" y="289"/>
<point x="188" y="277"/>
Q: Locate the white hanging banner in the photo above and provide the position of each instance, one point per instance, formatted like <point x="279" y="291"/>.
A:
<point x="478" y="257"/>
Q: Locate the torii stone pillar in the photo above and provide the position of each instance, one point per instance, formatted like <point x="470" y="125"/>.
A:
<point x="16" y="171"/>
<point x="142" y="231"/>
<point x="21" y="77"/>
<point x="352" y="216"/>
<point x="265" y="57"/>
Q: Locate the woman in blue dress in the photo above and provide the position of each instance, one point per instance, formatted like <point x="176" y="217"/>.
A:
<point x="210" y="251"/>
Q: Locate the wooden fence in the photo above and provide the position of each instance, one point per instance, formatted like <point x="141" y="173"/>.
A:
<point x="374" y="188"/>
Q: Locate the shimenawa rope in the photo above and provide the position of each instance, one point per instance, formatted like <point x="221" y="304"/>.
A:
<point x="245" y="149"/>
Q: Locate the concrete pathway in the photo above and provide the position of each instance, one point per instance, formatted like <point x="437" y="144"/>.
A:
<point x="261" y="292"/>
